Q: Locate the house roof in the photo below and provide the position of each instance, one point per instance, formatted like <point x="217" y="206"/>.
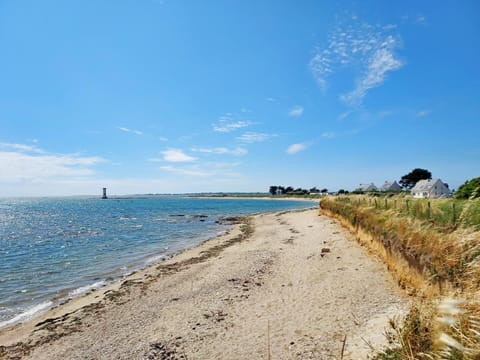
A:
<point x="425" y="185"/>
<point x="390" y="184"/>
<point x="365" y="187"/>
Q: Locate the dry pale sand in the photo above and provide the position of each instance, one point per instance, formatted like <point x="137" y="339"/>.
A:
<point x="291" y="285"/>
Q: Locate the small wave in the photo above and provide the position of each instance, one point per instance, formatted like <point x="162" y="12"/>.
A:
<point x="155" y="259"/>
<point x="28" y="314"/>
<point x="84" y="289"/>
<point x="220" y="233"/>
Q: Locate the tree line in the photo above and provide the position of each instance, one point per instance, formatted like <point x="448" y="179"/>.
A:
<point x="470" y="189"/>
<point x="288" y="190"/>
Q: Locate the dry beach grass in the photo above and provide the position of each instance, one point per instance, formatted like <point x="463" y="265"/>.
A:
<point x="437" y="264"/>
<point x="290" y="285"/>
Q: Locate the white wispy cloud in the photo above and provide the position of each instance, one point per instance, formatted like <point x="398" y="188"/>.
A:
<point x="21" y="162"/>
<point x="328" y="134"/>
<point x="270" y="99"/>
<point x="224" y="126"/>
<point x="175" y="155"/>
<point x="423" y="113"/>
<point x="252" y="137"/>
<point x="296" y="111"/>
<point x="295" y="148"/>
<point x="185" y="171"/>
<point x="210" y="169"/>
<point x="21" y="147"/>
<point x="420" y="19"/>
<point x="344" y="115"/>
<point x="136" y="132"/>
<point x="227" y="124"/>
<point x="389" y="27"/>
<point x="358" y="45"/>
<point x="222" y="150"/>
<point x="162" y="138"/>
<point x="381" y="62"/>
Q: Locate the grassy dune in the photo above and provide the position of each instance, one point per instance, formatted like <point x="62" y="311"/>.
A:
<point x="433" y="248"/>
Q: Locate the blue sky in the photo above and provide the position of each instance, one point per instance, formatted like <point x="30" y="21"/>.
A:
<point x="172" y="96"/>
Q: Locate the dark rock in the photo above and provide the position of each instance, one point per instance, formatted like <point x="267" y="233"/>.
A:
<point x="231" y="220"/>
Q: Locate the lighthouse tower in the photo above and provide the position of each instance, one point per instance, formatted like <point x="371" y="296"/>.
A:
<point x="104" y="196"/>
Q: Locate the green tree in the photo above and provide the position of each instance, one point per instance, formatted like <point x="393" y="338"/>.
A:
<point x="324" y="191"/>
<point x="288" y="190"/>
<point x="469" y="190"/>
<point x="314" y="190"/>
<point x="300" y="191"/>
<point x="409" y="180"/>
<point x="273" y="190"/>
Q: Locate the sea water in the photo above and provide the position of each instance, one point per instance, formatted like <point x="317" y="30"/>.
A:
<point x="52" y="249"/>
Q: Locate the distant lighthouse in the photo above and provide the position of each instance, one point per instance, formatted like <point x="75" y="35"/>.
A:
<point x="104" y="196"/>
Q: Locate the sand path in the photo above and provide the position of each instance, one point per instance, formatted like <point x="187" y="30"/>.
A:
<point x="289" y="285"/>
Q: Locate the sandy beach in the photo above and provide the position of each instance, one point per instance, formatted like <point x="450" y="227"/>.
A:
<point x="287" y="285"/>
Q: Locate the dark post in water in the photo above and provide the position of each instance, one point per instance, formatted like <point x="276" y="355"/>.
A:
<point x="104" y="196"/>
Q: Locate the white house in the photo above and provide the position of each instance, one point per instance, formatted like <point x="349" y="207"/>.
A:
<point x="391" y="186"/>
<point x="431" y="188"/>
<point x="367" y="187"/>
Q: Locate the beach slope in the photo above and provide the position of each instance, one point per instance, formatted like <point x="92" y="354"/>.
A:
<point x="290" y="285"/>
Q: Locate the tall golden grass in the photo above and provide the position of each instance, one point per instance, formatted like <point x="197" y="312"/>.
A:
<point x="435" y="261"/>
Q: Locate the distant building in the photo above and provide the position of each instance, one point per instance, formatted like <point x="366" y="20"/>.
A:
<point x="390" y="186"/>
<point x="367" y="187"/>
<point x="432" y="188"/>
<point x="104" y="196"/>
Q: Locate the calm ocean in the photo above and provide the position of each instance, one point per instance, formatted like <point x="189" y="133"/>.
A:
<point x="52" y="249"/>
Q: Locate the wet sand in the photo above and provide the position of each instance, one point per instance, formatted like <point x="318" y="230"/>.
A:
<point x="287" y="285"/>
